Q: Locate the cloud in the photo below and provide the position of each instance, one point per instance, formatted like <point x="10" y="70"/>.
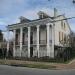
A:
<point x="10" y="7"/>
<point x="32" y="14"/>
<point x="11" y="10"/>
<point x="8" y="36"/>
<point x="19" y="1"/>
<point x="2" y="23"/>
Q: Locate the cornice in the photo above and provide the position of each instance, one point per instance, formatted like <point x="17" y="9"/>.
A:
<point x="33" y="23"/>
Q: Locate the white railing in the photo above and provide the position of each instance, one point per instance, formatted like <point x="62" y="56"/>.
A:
<point x="42" y="41"/>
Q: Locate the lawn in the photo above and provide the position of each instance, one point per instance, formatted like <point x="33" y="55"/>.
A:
<point x="18" y="63"/>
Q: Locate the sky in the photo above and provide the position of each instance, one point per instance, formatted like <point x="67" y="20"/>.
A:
<point x="11" y="10"/>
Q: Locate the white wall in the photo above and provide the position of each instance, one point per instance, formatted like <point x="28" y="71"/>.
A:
<point x="58" y="29"/>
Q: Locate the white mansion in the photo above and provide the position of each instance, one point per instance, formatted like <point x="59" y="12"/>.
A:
<point x="40" y="37"/>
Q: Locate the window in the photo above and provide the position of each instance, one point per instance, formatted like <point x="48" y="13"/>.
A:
<point x="64" y="26"/>
<point x="65" y="38"/>
<point x="61" y="37"/>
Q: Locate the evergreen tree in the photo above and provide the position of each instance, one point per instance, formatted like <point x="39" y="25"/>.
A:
<point x="1" y="36"/>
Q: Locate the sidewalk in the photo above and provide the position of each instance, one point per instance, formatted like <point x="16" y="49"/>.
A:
<point x="60" y="66"/>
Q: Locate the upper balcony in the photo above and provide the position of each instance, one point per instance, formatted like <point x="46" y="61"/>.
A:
<point x="41" y="42"/>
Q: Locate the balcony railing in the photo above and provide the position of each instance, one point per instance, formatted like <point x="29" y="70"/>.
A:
<point x="34" y="42"/>
<point x="43" y="42"/>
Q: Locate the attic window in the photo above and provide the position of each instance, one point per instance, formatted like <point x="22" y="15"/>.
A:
<point x="41" y="16"/>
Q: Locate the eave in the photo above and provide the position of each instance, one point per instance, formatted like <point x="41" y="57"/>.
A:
<point x="32" y="23"/>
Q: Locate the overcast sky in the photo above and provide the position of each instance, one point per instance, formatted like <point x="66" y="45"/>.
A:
<point x="11" y="10"/>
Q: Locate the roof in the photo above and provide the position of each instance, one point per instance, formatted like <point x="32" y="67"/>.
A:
<point x="31" y="21"/>
<point x="48" y="17"/>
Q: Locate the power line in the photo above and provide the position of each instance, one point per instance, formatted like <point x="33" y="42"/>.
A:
<point x="54" y="20"/>
<point x="63" y="19"/>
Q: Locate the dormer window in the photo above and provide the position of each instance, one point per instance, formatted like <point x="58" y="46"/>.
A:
<point x="42" y="15"/>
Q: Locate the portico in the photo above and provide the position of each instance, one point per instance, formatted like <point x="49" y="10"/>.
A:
<point x="33" y="41"/>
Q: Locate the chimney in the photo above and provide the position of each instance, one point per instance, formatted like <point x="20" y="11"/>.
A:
<point x="55" y="12"/>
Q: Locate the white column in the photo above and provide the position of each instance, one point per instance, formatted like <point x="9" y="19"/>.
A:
<point x="14" y="34"/>
<point x="7" y="44"/>
<point x="38" y="40"/>
<point x="48" y="36"/>
<point x="21" y="34"/>
<point x="52" y="52"/>
<point x="28" y="42"/>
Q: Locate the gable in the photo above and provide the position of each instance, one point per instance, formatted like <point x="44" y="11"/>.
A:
<point x="60" y="18"/>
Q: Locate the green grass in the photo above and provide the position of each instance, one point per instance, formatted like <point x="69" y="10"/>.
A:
<point x="23" y="64"/>
<point x="39" y="66"/>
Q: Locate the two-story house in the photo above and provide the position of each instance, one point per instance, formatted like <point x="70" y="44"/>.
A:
<point x="41" y="37"/>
